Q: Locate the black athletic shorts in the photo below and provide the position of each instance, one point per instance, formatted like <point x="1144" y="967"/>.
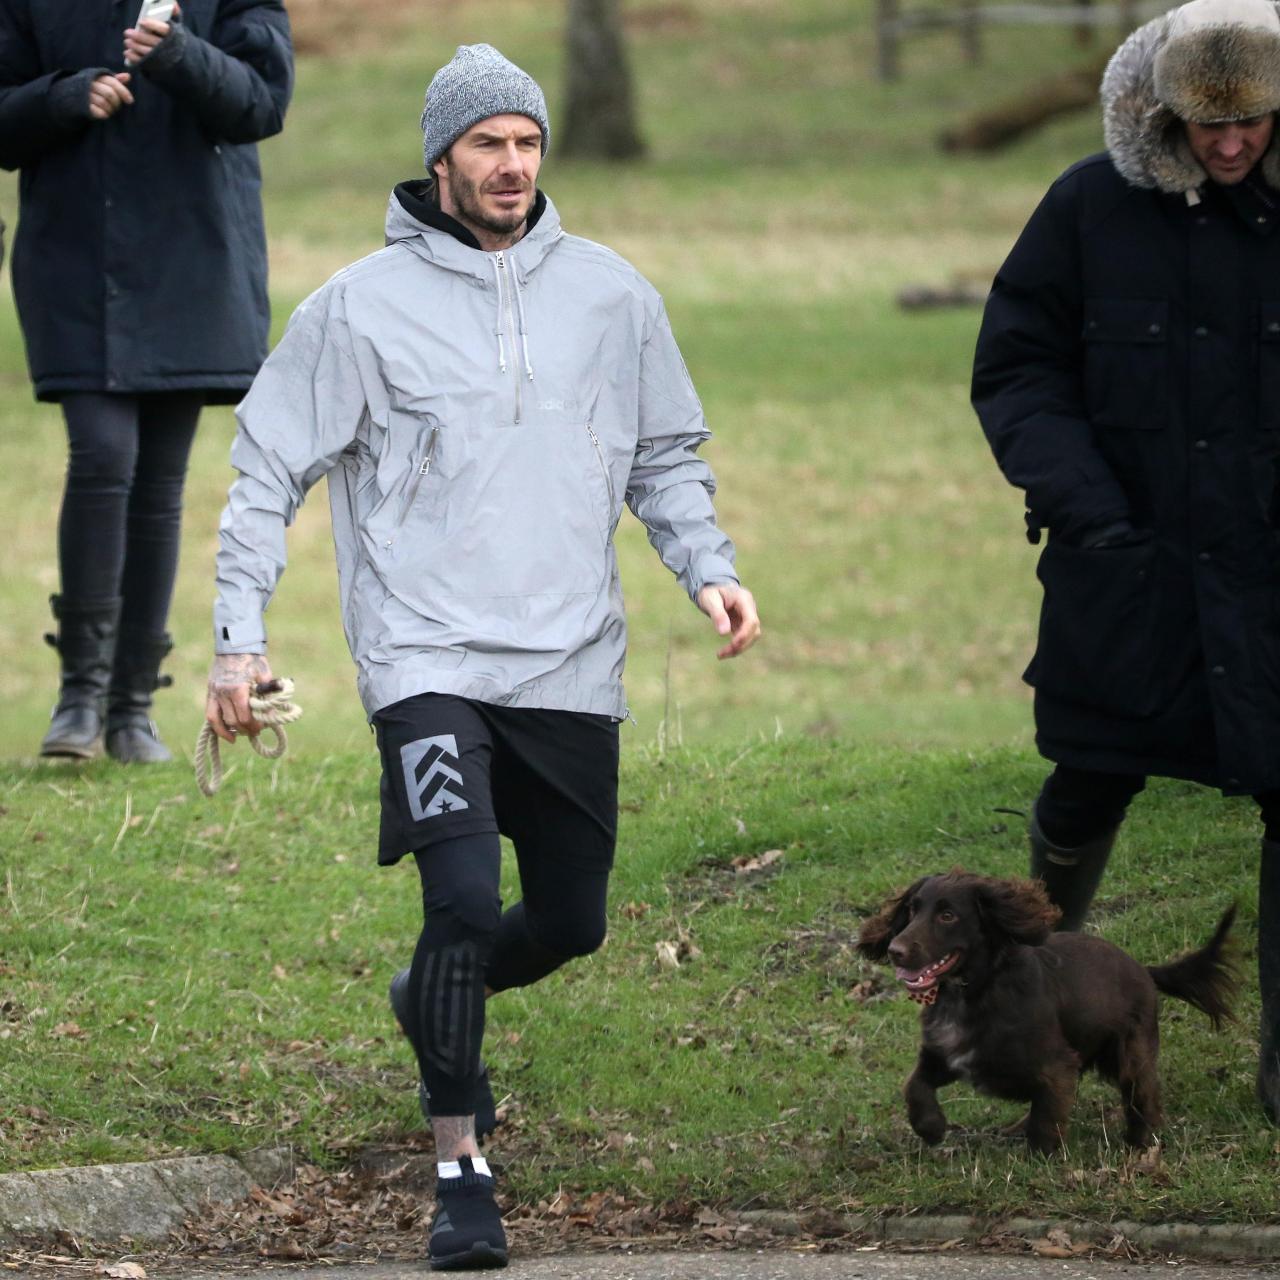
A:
<point x="453" y="767"/>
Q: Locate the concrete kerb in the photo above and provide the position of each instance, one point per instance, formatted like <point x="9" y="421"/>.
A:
<point x="142" y="1202"/>
<point x="1209" y="1243"/>
<point x="146" y="1202"/>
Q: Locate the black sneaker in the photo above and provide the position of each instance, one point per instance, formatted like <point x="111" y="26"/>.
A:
<point x="486" y="1110"/>
<point x="467" y="1234"/>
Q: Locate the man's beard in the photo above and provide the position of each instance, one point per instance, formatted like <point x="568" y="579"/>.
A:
<point x="466" y="199"/>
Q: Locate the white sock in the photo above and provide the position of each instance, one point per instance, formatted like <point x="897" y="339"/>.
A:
<point x="453" y="1168"/>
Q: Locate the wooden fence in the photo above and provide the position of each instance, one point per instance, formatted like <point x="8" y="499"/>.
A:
<point x="968" y="18"/>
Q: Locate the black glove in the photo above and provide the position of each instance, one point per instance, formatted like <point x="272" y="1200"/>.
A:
<point x="1120" y="533"/>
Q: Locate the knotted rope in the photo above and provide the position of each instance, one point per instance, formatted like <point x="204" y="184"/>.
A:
<point x="273" y="707"/>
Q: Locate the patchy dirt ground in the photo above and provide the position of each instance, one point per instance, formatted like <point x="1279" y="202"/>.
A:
<point x="379" y="1210"/>
<point x="335" y="27"/>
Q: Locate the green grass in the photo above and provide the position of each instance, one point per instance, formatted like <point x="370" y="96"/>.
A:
<point x="190" y="976"/>
<point x="786" y="198"/>
<point x="182" y="976"/>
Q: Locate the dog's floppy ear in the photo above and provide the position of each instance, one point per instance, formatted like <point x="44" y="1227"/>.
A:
<point x="1018" y="910"/>
<point x="876" y="934"/>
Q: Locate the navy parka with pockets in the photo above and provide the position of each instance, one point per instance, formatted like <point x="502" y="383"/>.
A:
<point x="1128" y="368"/>
<point x="139" y="263"/>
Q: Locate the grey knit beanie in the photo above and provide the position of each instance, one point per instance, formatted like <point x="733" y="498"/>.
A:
<point x="477" y="83"/>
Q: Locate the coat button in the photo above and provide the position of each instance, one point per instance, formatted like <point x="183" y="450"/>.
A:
<point x="1219" y="672"/>
<point x="1202" y="445"/>
<point x="1153" y="330"/>
<point x="1274" y="326"/>
<point x="1204" y="557"/>
<point x="1201" y="331"/>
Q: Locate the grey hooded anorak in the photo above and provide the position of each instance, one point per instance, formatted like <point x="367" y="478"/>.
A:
<point x="481" y="417"/>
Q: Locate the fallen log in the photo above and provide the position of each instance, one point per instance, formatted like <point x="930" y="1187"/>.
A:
<point x="998" y="126"/>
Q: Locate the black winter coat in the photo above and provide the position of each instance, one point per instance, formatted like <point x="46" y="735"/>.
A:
<point x="140" y="261"/>
<point x="1128" y="368"/>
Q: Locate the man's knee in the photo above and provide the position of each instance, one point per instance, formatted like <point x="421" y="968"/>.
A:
<point x="570" y="939"/>
<point x="466" y="909"/>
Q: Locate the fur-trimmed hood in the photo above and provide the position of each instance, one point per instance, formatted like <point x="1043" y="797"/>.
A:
<point x="1174" y="68"/>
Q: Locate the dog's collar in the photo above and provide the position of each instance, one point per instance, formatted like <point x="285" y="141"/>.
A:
<point x="925" y="997"/>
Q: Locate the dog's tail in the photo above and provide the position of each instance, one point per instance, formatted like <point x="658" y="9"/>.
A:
<point x="1206" y="978"/>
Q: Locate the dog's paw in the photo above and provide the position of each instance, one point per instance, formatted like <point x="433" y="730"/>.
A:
<point x="929" y="1129"/>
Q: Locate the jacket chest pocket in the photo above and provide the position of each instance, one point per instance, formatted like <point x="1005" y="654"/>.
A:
<point x="1126" y="363"/>
<point x="1269" y="366"/>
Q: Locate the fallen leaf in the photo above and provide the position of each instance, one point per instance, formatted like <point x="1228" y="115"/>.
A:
<point x="67" y="1030"/>
<point x="745" y="866"/>
<point x="121" y="1271"/>
<point x="668" y="954"/>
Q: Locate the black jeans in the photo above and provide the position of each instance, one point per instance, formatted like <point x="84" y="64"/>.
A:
<point x="1078" y="805"/>
<point x="121" y="520"/>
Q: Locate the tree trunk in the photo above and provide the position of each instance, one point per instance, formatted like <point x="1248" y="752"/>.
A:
<point x="599" y="118"/>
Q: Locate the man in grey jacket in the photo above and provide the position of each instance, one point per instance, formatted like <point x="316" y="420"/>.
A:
<point x="483" y="394"/>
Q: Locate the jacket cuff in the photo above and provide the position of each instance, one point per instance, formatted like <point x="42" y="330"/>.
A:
<point x="168" y="53"/>
<point x="69" y="97"/>
<point x="712" y="572"/>
<point x="239" y="637"/>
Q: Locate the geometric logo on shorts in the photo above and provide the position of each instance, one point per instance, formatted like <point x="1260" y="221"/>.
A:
<point x="431" y="776"/>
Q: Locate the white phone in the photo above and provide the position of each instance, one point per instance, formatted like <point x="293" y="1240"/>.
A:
<point x="162" y="9"/>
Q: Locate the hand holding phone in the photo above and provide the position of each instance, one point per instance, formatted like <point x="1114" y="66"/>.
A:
<point x="140" y="40"/>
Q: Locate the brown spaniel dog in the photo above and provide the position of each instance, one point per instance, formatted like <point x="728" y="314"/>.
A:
<point x="1019" y="1011"/>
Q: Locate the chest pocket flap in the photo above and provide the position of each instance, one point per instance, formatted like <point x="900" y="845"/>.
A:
<point x="1126" y="362"/>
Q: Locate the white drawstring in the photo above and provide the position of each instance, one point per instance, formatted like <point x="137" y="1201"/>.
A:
<point x="502" y="351"/>
<point x="524" y="328"/>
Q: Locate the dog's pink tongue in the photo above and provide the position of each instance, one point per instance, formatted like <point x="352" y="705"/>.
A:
<point x="907" y="975"/>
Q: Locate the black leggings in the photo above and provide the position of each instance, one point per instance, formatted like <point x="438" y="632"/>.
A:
<point x="121" y="521"/>
<point x="1078" y="805"/>
<point x="468" y="943"/>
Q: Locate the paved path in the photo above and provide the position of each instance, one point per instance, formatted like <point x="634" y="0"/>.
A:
<point x="773" y="1264"/>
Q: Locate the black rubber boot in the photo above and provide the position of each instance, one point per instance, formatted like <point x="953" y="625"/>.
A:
<point x="85" y="642"/>
<point x="486" y="1117"/>
<point x="1071" y="876"/>
<point x="132" y="737"/>
<point x="1269" y="980"/>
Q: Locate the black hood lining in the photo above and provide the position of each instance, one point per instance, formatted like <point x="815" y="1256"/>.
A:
<point x="418" y="200"/>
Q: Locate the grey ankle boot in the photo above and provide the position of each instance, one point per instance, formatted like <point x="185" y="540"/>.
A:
<point x="1071" y="876"/>
<point x="132" y="737"/>
<point x="1269" y="980"/>
<point x="85" y="642"/>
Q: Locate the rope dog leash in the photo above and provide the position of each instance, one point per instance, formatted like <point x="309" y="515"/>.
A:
<point x="273" y="707"/>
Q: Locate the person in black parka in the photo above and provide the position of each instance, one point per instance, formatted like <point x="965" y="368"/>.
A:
<point x="1127" y="376"/>
<point x="139" y="270"/>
